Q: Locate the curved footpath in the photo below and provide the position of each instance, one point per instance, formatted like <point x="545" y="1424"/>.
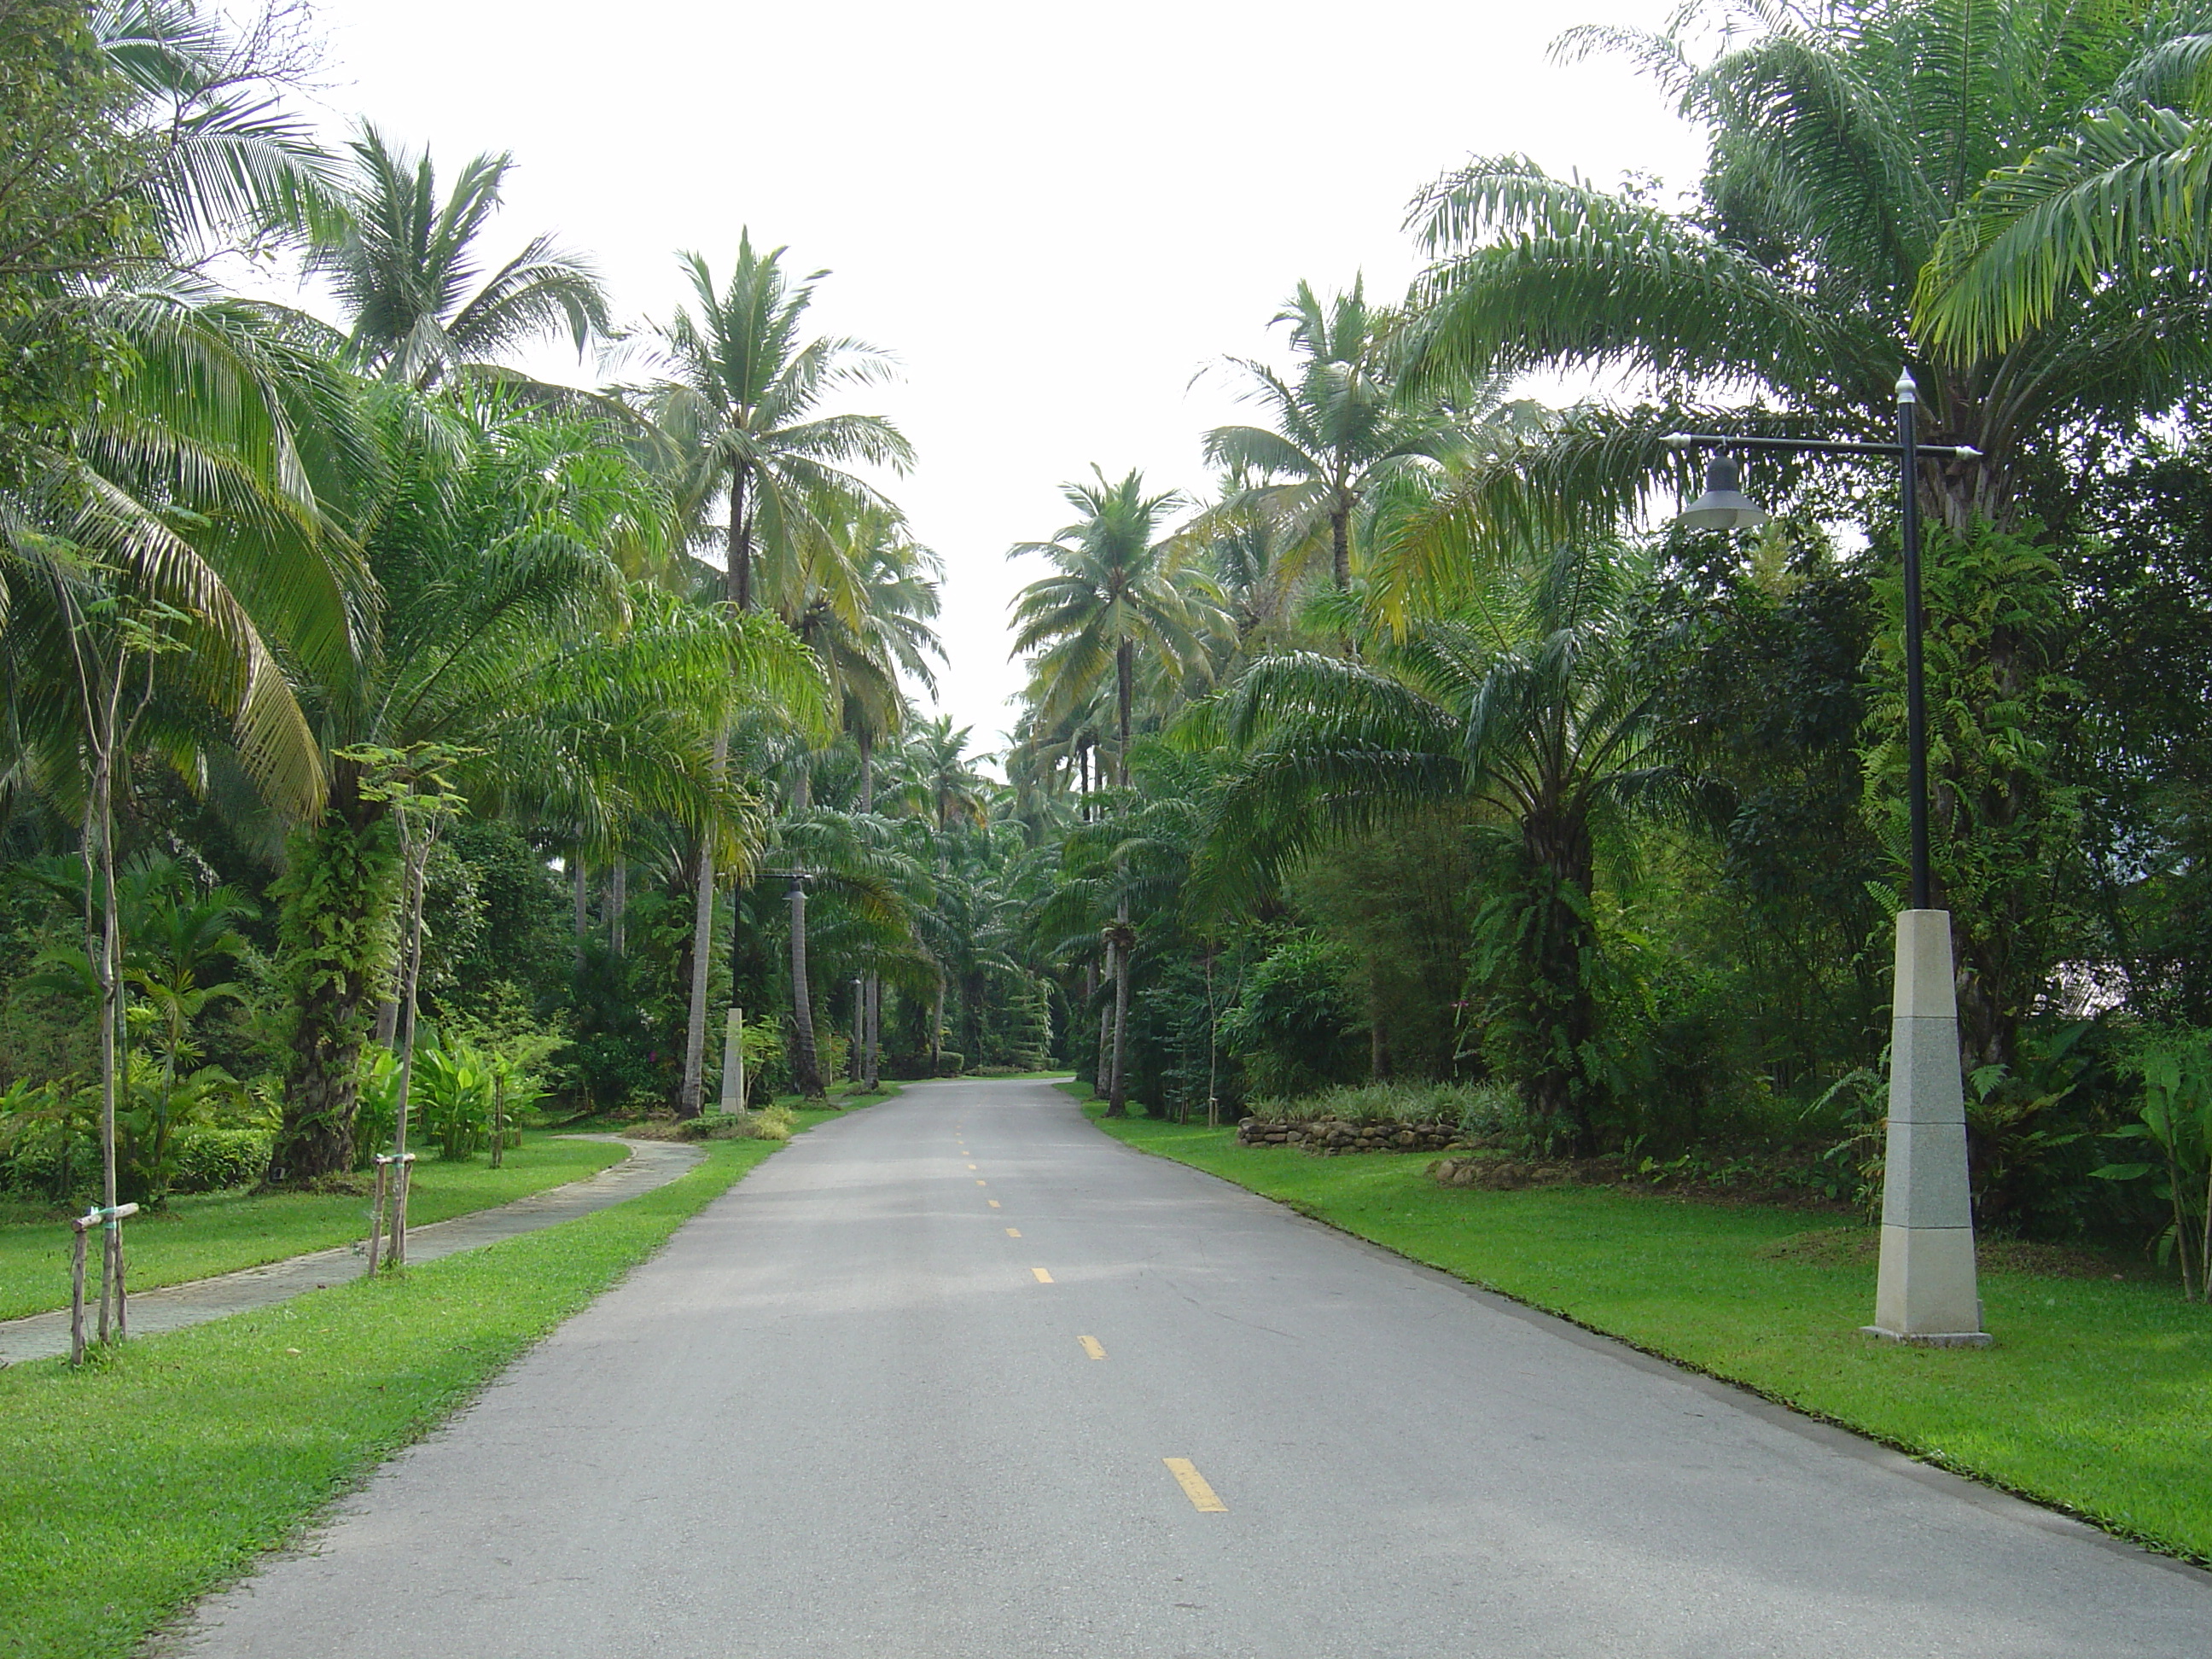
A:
<point x="651" y="1163"/>
<point x="961" y="1375"/>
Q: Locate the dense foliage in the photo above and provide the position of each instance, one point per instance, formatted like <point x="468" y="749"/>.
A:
<point x="394" y="740"/>
<point x="380" y="720"/>
<point x="1478" y="772"/>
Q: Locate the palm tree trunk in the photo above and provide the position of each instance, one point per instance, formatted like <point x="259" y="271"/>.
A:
<point x="874" y="994"/>
<point x="690" y="1093"/>
<point x="806" y="1064"/>
<point x="1339" y="546"/>
<point x="1117" y="1097"/>
<point x="337" y="902"/>
<point x="579" y="878"/>
<point x="1561" y="1091"/>
<point x="738" y="577"/>
<point x="1099" y="1077"/>
<point x="618" y="909"/>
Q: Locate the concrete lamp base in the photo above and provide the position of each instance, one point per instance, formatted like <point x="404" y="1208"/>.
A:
<point x="1926" y="1292"/>
<point x="1932" y="1339"/>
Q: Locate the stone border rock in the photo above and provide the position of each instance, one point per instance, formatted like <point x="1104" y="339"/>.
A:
<point x="1328" y="1137"/>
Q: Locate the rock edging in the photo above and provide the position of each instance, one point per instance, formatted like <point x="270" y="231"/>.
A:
<point x="1330" y="1137"/>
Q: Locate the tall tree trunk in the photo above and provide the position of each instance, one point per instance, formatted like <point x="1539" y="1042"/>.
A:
<point x="1117" y="1095"/>
<point x="103" y="945"/>
<point x="872" y="1077"/>
<point x="1560" y="1089"/>
<point x="414" y="858"/>
<point x="690" y="1093"/>
<point x="806" y="1064"/>
<point x="1125" y="692"/>
<point x="868" y="1066"/>
<point x="618" y="909"/>
<point x="738" y="577"/>
<point x="1340" y="545"/>
<point x="580" y="878"/>
<point x="338" y="894"/>
<point x="1117" y="1098"/>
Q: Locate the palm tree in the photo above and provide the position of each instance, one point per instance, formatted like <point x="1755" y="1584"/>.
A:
<point x="1342" y="433"/>
<point x="162" y="541"/>
<point x="405" y="266"/>
<point x="739" y="419"/>
<point x="2123" y="197"/>
<point x="898" y="576"/>
<point x="1534" y="708"/>
<point x="511" y="643"/>
<point x="1120" y="589"/>
<point x="143" y="136"/>
<point x="1846" y="141"/>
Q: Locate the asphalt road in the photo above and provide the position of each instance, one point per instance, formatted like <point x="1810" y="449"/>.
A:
<point x="850" y="1411"/>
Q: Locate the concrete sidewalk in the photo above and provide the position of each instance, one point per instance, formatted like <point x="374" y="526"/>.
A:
<point x="651" y="1163"/>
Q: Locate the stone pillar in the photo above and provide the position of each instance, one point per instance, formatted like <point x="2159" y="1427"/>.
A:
<point x="1927" y="1292"/>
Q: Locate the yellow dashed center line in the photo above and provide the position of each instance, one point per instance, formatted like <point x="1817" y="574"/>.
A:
<point x="971" y="1166"/>
<point x="1092" y="1346"/>
<point x="993" y="1202"/>
<point x="982" y="1183"/>
<point x="1013" y="1232"/>
<point x="1194" y="1485"/>
<point x="1042" y="1277"/>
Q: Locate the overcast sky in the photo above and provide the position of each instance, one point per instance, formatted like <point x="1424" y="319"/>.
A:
<point x="1055" y="216"/>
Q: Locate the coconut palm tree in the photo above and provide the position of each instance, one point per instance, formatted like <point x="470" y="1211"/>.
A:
<point x="406" y="267"/>
<point x="161" y="542"/>
<point x="1120" y="588"/>
<point x="739" y="419"/>
<point x="1342" y="432"/>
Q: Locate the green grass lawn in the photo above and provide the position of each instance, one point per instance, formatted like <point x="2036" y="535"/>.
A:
<point x="130" y="1488"/>
<point x="220" y="1232"/>
<point x="2097" y="1397"/>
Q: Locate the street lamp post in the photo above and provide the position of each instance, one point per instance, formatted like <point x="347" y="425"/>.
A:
<point x="1926" y="1290"/>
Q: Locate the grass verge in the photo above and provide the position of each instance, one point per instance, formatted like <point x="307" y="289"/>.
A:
<point x="135" y="1485"/>
<point x="2096" y="1398"/>
<point x="208" y="1233"/>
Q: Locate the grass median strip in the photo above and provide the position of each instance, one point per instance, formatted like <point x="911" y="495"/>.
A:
<point x="134" y="1487"/>
<point x="208" y="1233"/>
<point x="2096" y="1398"/>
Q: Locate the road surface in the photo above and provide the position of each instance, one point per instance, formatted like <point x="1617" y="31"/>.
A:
<point x="912" y="1389"/>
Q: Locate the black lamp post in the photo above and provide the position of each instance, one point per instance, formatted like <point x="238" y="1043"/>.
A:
<point x="1927" y="1289"/>
<point x="1724" y="507"/>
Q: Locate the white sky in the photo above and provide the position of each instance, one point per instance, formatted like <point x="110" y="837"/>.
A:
<point x="1054" y="215"/>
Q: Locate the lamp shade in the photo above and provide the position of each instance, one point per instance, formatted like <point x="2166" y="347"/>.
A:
<point x="1724" y="506"/>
